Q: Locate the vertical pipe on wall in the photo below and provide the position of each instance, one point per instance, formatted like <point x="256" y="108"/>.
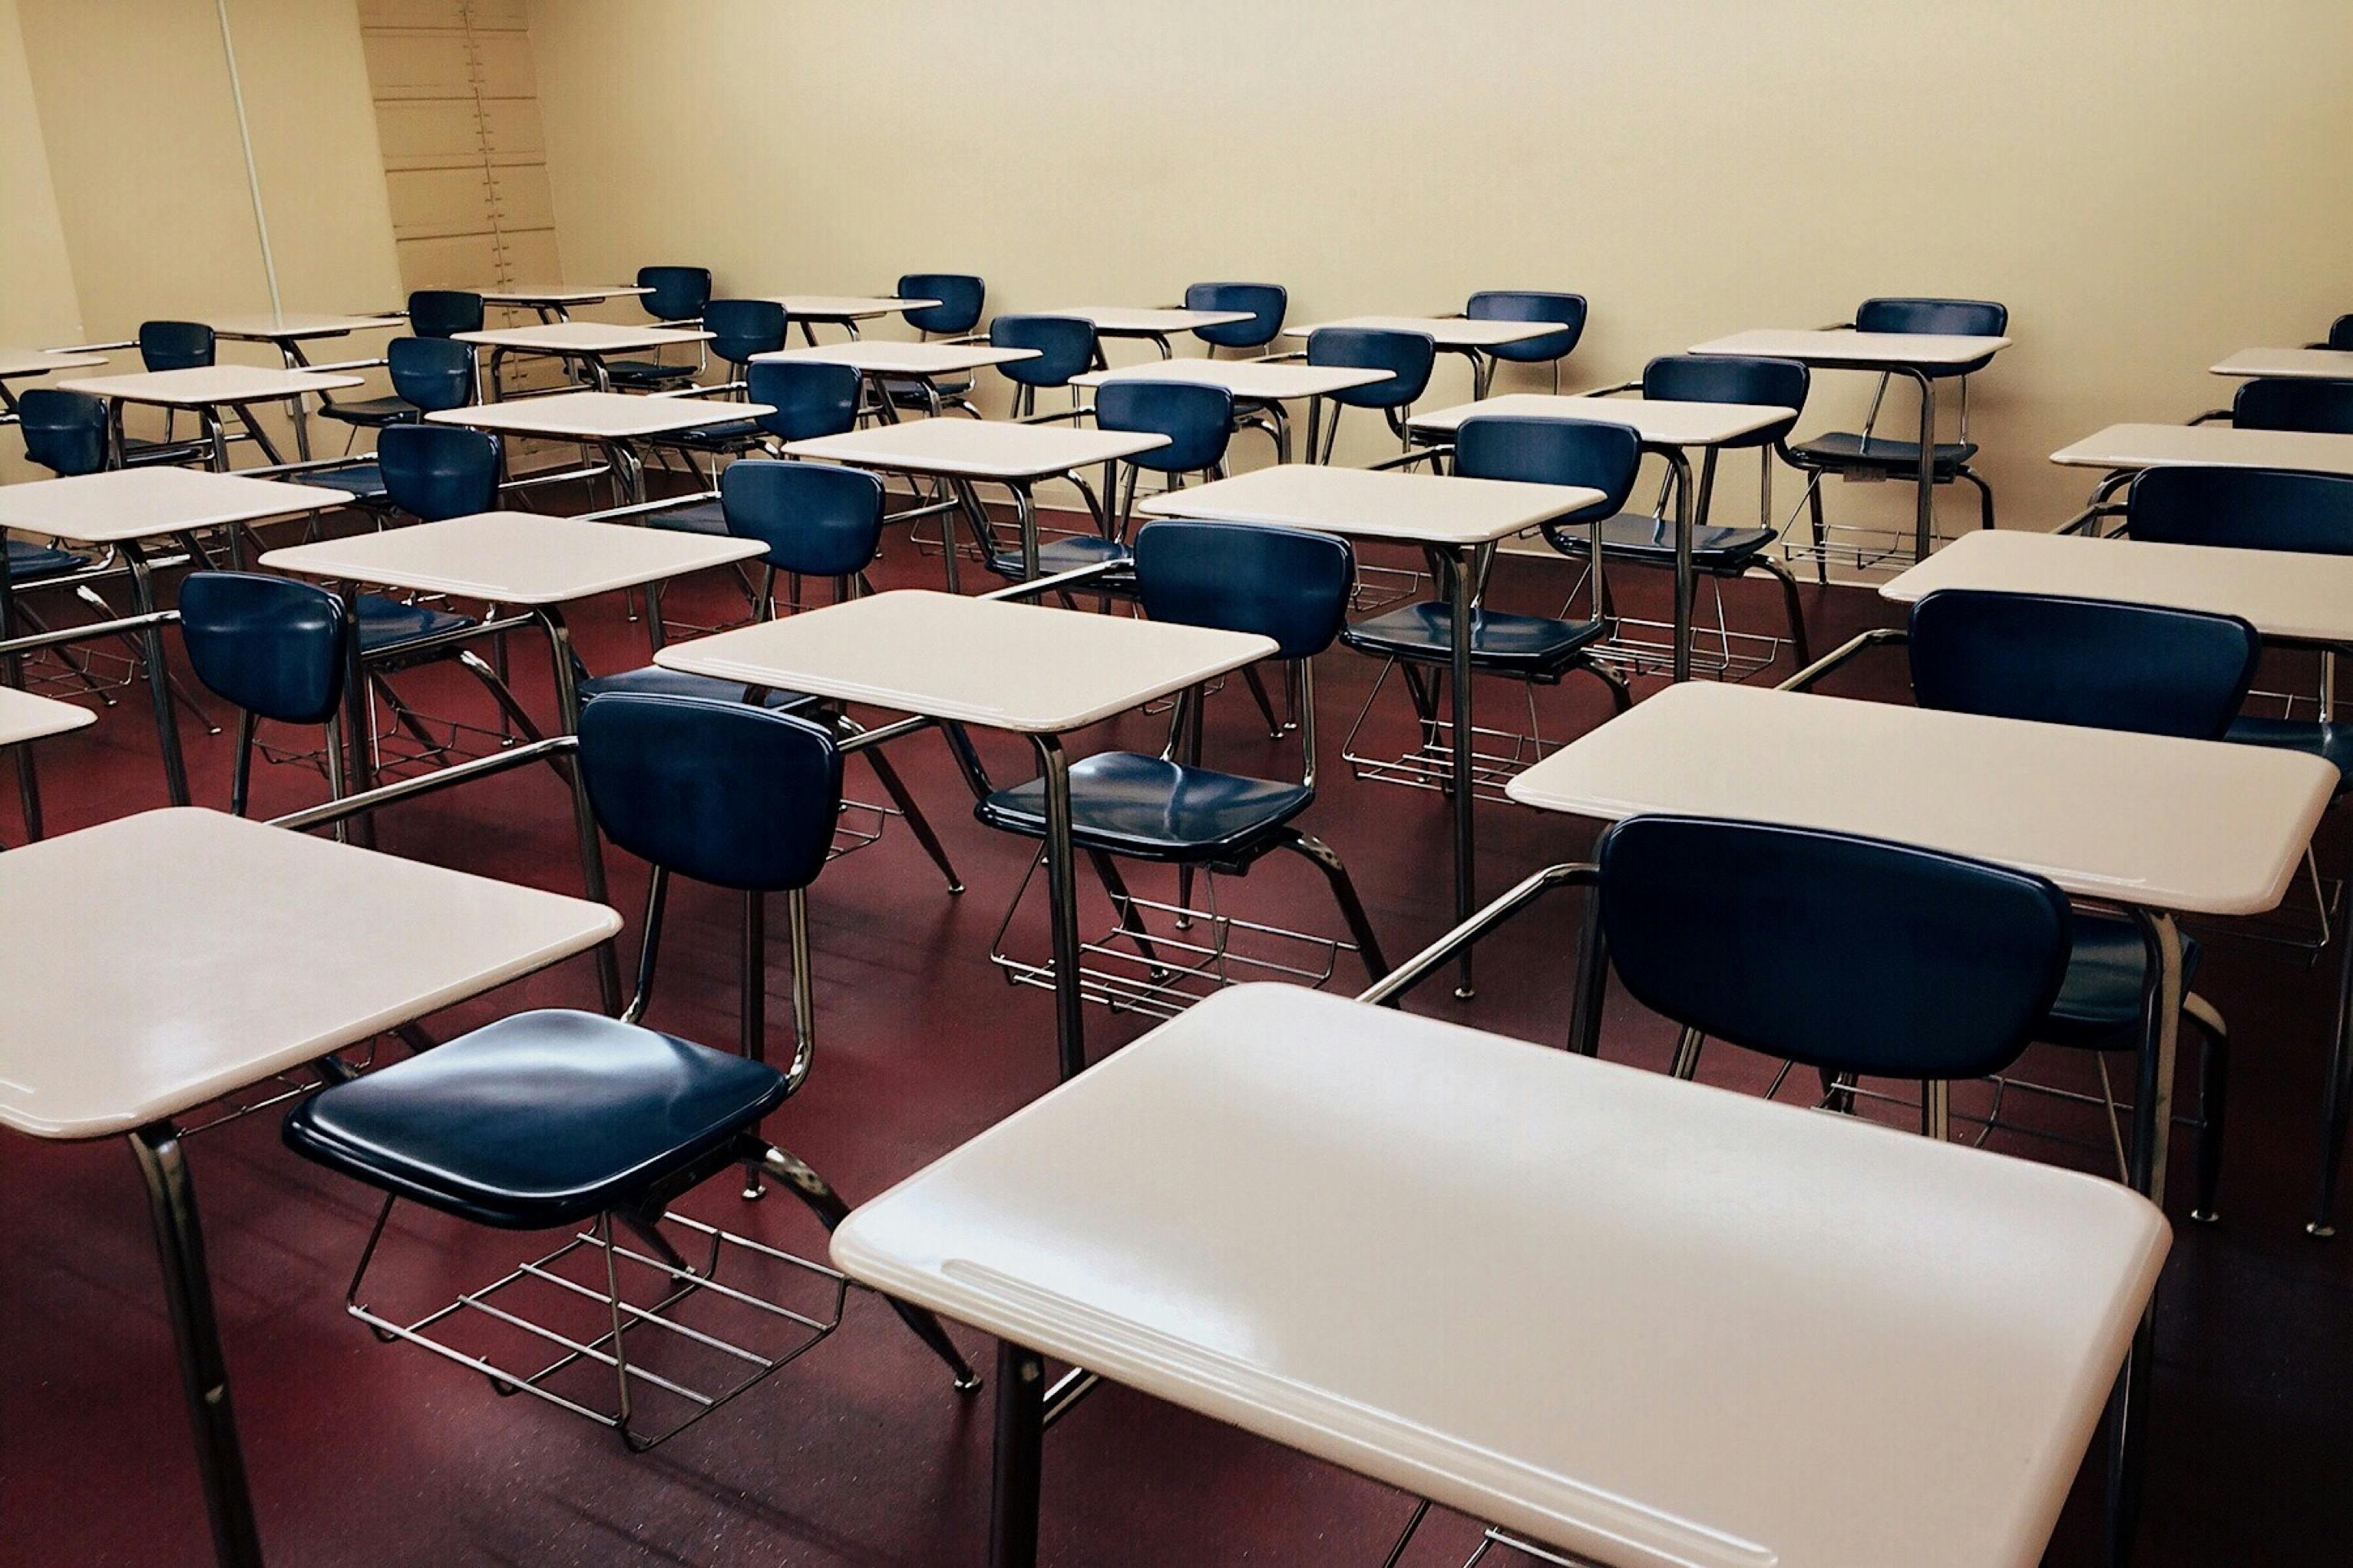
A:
<point x="252" y="175"/>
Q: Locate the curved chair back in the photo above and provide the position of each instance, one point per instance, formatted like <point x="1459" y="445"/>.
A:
<point x="1851" y="955"/>
<point x="815" y="518"/>
<point x="2246" y="509"/>
<point x="1586" y="452"/>
<point x="2282" y="403"/>
<point x="1733" y="378"/>
<point x="1531" y="305"/>
<point x="175" y="345"/>
<point x="2093" y="662"/>
<point x="726" y="793"/>
<point x="1954" y="318"/>
<point x="2340" y="333"/>
<point x="1280" y="582"/>
<point x="432" y="372"/>
<point x="679" y="293"/>
<point x="1268" y="303"/>
<point x="810" y="399"/>
<point x="742" y="327"/>
<point x="435" y="471"/>
<point x="442" y="312"/>
<point x="960" y="297"/>
<point x="1197" y="419"/>
<point x="65" y="432"/>
<point x="1065" y="345"/>
<point x="272" y="645"/>
<point x="1406" y="356"/>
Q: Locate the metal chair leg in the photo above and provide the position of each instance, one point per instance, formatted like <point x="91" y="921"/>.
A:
<point x="2213" y="1093"/>
<point x="917" y="824"/>
<point x="241" y="773"/>
<point x="1814" y="513"/>
<point x="1685" y="1064"/>
<point x="1799" y="647"/>
<point x="1265" y="703"/>
<point x="1984" y="498"/>
<point x="1344" y="893"/>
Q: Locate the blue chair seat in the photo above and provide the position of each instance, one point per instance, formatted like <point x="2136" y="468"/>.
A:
<point x="1533" y="648"/>
<point x="2333" y="743"/>
<point x="546" y="1118"/>
<point x="1068" y="555"/>
<point x="649" y="372"/>
<point x="725" y="436"/>
<point x="360" y="481"/>
<point x="387" y="625"/>
<point x="708" y="517"/>
<point x="2098" y="1007"/>
<point x="1653" y="539"/>
<point x="373" y="412"/>
<point x="910" y="394"/>
<point x="655" y="681"/>
<point x="1848" y="450"/>
<point x="139" y="454"/>
<point x="29" y="562"/>
<point x="1144" y="808"/>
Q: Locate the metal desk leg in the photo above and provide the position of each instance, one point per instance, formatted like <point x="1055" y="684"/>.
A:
<point x="159" y="674"/>
<point x="1466" y="882"/>
<point x="270" y="451"/>
<point x="12" y="671"/>
<point x="584" y="816"/>
<point x="1686" y="585"/>
<point x="1024" y="510"/>
<point x="1314" y="428"/>
<point x="209" y="416"/>
<point x="188" y="1296"/>
<point x="1020" y="1456"/>
<point x="2336" y="1099"/>
<point x="292" y="354"/>
<point x="1923" y="525"/>
<point x="1063" y="890"/>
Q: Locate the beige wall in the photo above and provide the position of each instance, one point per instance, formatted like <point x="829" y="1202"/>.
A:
<point x="2147" y="186"/>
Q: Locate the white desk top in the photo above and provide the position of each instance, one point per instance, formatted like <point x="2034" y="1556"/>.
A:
<point x="2219" y="445"/>
<point x="157" y="962"/>
<point x="1656" y="1323"/>
<point x="844" y="307"/>
<point x="1023" y="667"/>
<point x="978" y="448"/>
<point x="2299" y="365"/>
<point x="121" y="504"/>
<point x="599" y="416"/>
<point x="1844" y="346"/>
<point x="559" y="293"/>
<point x="1376" y="503"/>
<point x="1662" y="422"/>
<point x="2283" y="593"/>
<point x="2201" y="826"/>
<point x="582" y="338"/>
<point x="512" y="557"/>
<point x="41" y="361"/>
<point x="1249" y="380"/>
<point x="877" y="357"/>
<point x="1131" y="321"/>
<point x="294" y="326"/>
<point x="210" y="386"/>
<point x="26" y="716"/>
<point x="1449" y="332"/>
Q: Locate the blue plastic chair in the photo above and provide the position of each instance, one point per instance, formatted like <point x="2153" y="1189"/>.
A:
<point x="680" y="295"/>
<point x="1066" y="348"/>
<point x="558" y="1118"/>
<point x="1268" y="303"/>
<point x="2340" y="334"/>
<point x="739" y="329"/>
<point x="65" y="432"/>
<point x="961" y="298"/>
<point x="427" y="374"/>
<point x="170" y="345"/>
<point x="1409" y="357"/>
<point x="2284" y="403"/>
<point x="1283" y="584"/>
<point x="1532" y="305"/>
<point x="811" y="398"/>
<point x="432" y="472"/>
<point x="444" y="312"/>
<point x="276" y="649"/>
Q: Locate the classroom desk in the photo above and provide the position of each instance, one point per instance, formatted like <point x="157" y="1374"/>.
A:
<point x="1256" y="384"/>
<point x="1458" y="521"/>
<point x="286" y="333"/>
<point x="25" y="718"/>
<point x="1911" y="355"/>
<point x="1668" y="428"/>
<point x="2123" y="450"/>
<point x="1472" y="338"/>
<point x="126" y="508"/>
<point x="1025" y="669"/>
<point x="922" y="363"/>
<point x="2295" y="364"/>
<point x="208" y="389"/>
<point x="1650" y="1322"/>
<point x="610" y="421"/>
<point x="586" y="343"/>
<point x="23" y="365"/>
<point x="553" y="301"/>
<point x="843" y="311"/>
<point x="1153" y="324"/>
<point x="969" y="452"/>
<point x="157" y="963"/>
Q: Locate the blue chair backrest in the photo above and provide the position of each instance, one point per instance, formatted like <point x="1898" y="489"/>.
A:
<point x="440" y="312"/>
<point x="2340" y="333"/>
<point x="679" y="293"/>
<point x="1955" y="317"/>
<point x="1586" y="452"/>
<point x="960" y="297"/>
<point x="1841" y="952"/>
<point x="742" y="327"/>
<point x="1531" y="305"/>
<point x="810" y="399"/>
<point x="1280" y="582"/>
<point x="1267" y="303"/>
<point x="435" y="471"/>
<point x="2243" y="508"/>
<point x="65" y="432"/>
<point x="1732" y="378"/>
<point x="175" y="345"/>
<point x="432" y="372"/>
<point x="271" y="644"/>
<point x="1065" y="345"/>
<point x="815" y="518"/>
<point x="2281" y="403"/>
<point x="726" y="793"/>
<point x="1197" y="419"/>
<point x="1406" y="356"/>
<point x="2093" y="662"/>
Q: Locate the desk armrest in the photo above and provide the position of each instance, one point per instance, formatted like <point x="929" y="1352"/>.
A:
<point x="1805" y="679"/>
<point x="353" y="805"/>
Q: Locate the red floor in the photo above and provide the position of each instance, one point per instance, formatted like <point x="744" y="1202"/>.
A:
<point x="861" y="1454"/>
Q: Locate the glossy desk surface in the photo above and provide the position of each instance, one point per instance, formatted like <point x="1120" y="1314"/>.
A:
<point x="1662" y="422"/>
<point x="2197" y="826"/>
<point x="844" y="307"/>
<point x="157" y="962"/>
<point x="2158" y="445"/>
<point x="1148" y="320"/>
<point x="209" y="386"/>
<point x="17" y="362"/>
<point x="2298" y="365"/>
<point x="978" y="448"/>
<point x="1376" y="503"/>
<point x="559" y="293"/>
<point x="599" y="416"/>
<point x="294" y="326"/>
<point x="1843" y="347"/>
<point x="26" y="716"/>
<point x="1024" y="667"/>
<point x="1249" y="380"/>
<point x="584" y="338"/>
<point x="512" y="557"/>
<point x="119" y="504"/>
<point x="1651" y="1322"/>
<point x="879" y="356"/>
<point x="1448" y="331"/>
